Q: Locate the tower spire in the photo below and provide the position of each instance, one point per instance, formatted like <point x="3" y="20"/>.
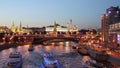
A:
<point x="70" y="23"/>
<point x="20" y="28"/>
<point x="55" y="27"/>
<point x="13" y="27"/>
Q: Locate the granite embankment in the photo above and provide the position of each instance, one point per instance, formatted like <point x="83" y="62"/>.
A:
<point x="9" y="45"/>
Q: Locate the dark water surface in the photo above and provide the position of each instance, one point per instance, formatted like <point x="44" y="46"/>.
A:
<point x="63" y="52"/>
<point x="66" y="56"/>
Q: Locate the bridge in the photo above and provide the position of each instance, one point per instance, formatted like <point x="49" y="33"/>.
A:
<point x="39" y="38"/>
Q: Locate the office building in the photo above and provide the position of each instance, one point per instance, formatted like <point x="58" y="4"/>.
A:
<point x="110" y="24"/>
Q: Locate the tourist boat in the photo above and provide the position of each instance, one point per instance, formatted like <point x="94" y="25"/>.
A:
<point x="99" y="55"/>
<point x="49" y="61"/>
<point x="74" y="46"/>
<point x="93" y="64"/>
<point x="15" y="60"/>
<point x="31" y="48"/>
<point x="82" y="49"/>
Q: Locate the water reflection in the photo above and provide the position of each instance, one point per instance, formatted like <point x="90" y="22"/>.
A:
<point x="47" y="48"/>
<point x="4" y="53"/>
<point x="61" y="43"/>
<point x="63" y="52"/>
<point x="67" y="49"/>
<point x="67" y="43"/>
<point x="86" y="58"/>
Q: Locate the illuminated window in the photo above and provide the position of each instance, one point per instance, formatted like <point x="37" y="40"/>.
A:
<point x="109" y="12"/>
<point x="119" y="25"/>
<point x="118" y="37"/>
<point x="116" y="25"/>
<point x="117" y="12"/>
<point x="110" y="26"/>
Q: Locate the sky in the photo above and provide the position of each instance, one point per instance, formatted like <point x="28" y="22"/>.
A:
<point x="39" y="13"/>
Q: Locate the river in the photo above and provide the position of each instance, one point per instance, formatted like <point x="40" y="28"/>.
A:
<point x="67" y="57"/>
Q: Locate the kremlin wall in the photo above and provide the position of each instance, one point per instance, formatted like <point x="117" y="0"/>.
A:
<point x="49" y="29"/>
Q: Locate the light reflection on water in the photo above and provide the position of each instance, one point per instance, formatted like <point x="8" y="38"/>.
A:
<point x="85" y="59"/>
<point x="34" y="59"/>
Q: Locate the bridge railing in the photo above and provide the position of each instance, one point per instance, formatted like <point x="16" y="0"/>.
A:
<point x="32" y="36"/>
<point x="51" y="35"/>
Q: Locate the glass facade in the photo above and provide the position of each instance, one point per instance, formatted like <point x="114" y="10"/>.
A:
<point x="114" y="26"/>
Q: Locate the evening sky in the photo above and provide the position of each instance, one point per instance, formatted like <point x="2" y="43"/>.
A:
<point x="39" y="13"/>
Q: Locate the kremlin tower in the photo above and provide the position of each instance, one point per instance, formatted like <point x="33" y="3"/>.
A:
<point x="16" y="29"/>
<point x="13" y="28"/>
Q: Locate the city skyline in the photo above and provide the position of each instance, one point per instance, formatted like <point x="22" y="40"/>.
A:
<point x="37" y="13"/>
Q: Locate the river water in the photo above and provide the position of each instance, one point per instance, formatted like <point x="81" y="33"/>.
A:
<point x="66" y="56"/>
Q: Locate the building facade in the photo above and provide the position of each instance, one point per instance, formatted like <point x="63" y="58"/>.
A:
<point x="110" y="24"/>
<point x="52" y="29"/>
<point x="61" y="29"/>
<point x="16" y="29"/>
<point x="4" y="29"/>
<point x="34" y="30"/>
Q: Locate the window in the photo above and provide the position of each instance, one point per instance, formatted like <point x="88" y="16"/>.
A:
<point x="110" y="27"/>
<point x="117" y="12"/>
<point x="116" y="25"/>
<point x="119" y="25"/>
<point x="109" y="12"/>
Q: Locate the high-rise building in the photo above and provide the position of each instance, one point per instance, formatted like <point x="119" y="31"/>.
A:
<point x="105" y="27"/>
<point x="110" y="24"/>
